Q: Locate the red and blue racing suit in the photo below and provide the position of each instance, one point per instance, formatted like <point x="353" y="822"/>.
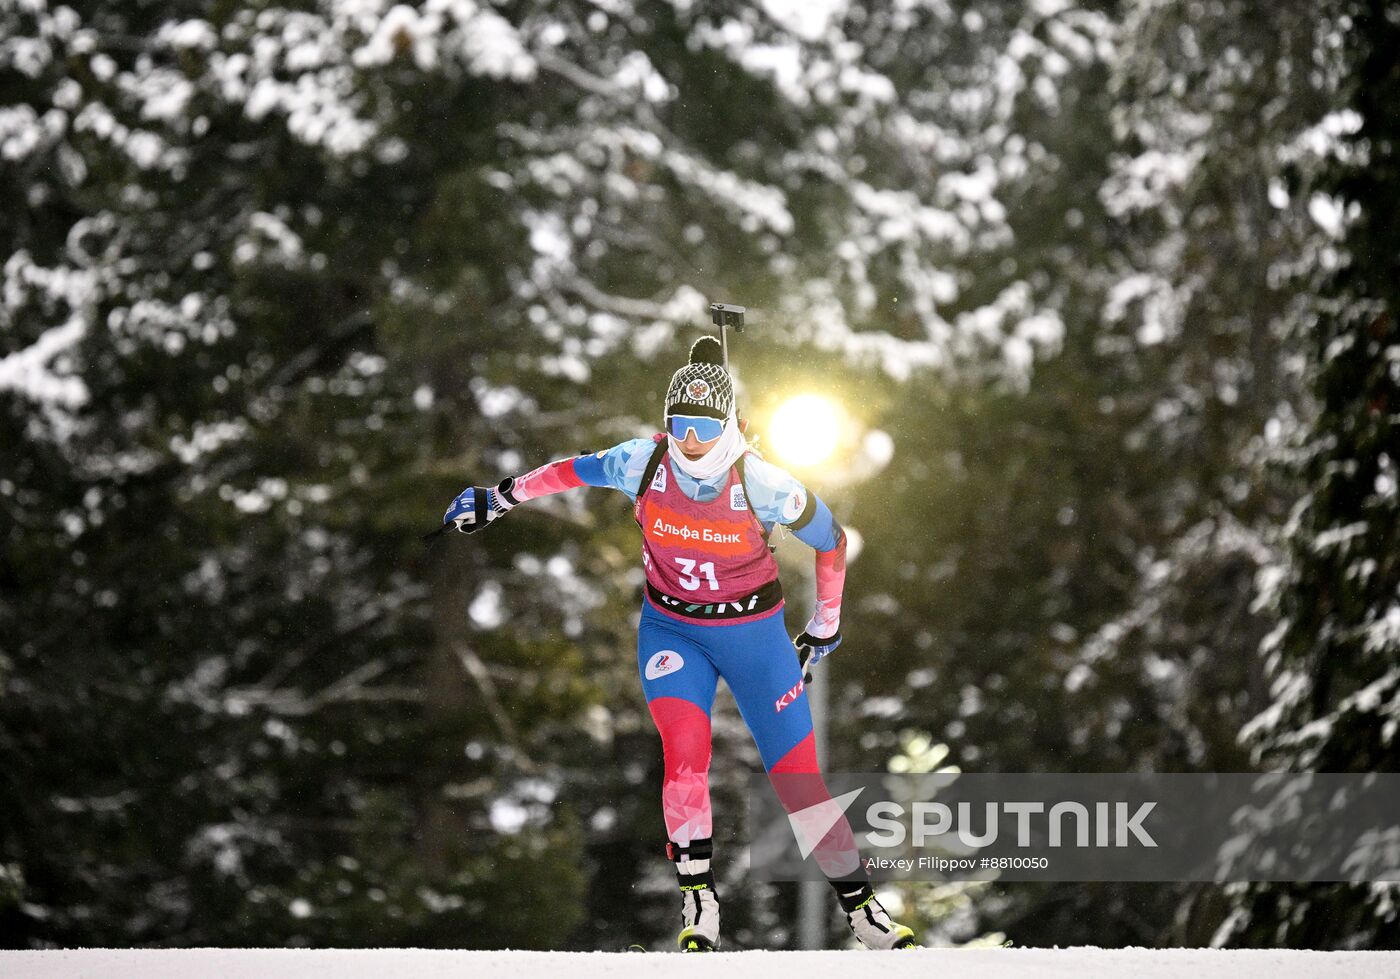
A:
<point x="714" y="608"/>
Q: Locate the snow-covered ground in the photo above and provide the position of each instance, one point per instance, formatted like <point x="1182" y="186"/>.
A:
<point x="1070" y="963"/>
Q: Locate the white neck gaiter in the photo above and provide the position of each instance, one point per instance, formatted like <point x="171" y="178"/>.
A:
<point x="726" y="452"/>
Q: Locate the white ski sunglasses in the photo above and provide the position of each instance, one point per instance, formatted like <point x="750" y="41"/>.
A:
<point x="706" y="429"/>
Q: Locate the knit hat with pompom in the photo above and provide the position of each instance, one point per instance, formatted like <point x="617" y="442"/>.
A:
<point x="703" y="386"/>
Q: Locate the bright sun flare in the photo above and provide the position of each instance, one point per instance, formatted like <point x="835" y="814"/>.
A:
<point x="805" y="429"/>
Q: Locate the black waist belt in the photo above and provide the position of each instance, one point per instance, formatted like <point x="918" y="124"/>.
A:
<point x="763" y="600"/>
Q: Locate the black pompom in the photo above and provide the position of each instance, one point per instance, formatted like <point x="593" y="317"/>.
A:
<point x="706" y="350"/>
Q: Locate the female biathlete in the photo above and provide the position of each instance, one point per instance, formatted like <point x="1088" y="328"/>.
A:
<point x="714" y="608"/>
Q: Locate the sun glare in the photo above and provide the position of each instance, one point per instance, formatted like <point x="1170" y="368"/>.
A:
<point x="805" y="429"/>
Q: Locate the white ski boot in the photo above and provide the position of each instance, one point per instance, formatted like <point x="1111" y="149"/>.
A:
<point x="699" y="899"/>
<point x="871" y="923"/>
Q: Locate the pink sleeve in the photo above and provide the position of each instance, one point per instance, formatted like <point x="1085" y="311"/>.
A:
<point x="552" y="477"/>
<point x="831" y="580"/>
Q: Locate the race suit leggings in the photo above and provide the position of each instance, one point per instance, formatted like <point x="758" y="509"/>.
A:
<point x="680" y="664"/>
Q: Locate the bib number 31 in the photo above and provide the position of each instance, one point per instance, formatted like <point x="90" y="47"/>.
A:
<point x="690" y="580"/>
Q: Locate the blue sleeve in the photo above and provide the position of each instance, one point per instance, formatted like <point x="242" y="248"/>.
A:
<point x="821" y="530"/>
<point x="618" y="468"/>
<point x="777" y="497"/>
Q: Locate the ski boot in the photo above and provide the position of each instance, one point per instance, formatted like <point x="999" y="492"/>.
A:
<point x="699" y="899"/>
<point x="870" y="922"/>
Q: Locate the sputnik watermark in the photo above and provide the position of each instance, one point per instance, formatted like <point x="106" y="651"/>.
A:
<point x="935" y="822"/>
<point x="1206" y="827"/>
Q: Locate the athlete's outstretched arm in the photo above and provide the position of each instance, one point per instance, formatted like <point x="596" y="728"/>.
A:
<point x="476" y="506"/>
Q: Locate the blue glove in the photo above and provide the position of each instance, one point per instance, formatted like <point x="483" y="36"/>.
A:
<point x="810" y="651"/>
<point x="476" y="506"/>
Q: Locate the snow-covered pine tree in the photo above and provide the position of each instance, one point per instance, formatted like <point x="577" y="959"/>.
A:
<point x="1334" y="659"/>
